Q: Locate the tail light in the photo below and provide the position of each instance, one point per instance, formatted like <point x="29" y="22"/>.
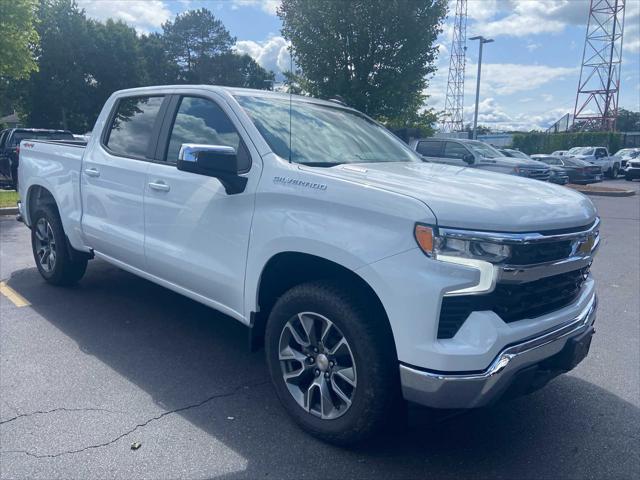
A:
<point x="18" y="150"/>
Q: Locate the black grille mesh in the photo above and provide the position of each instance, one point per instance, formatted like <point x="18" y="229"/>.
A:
<point x="513" y="302"/>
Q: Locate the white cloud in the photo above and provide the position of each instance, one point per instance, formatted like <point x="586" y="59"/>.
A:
<point x="491" y="114"/>
<point x="510" y="78"/>
<point x="272" y="54"/>
<point x="143" y="15"/>
<point x="268" y="6"/>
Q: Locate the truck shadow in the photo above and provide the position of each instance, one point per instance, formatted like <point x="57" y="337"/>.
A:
<point x="181" y="353"/>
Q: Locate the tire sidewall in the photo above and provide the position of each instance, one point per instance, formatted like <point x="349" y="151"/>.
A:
<point x="53" y="222"/>
<point x="366" y="357"/>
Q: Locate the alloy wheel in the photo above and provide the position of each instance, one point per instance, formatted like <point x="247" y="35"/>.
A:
<point x="45" y="245"/>
<point x="317" y="365"/>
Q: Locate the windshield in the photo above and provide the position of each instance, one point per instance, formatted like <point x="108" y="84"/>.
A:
<point x="19" y="136"/>
<point x="322" y="135"/>
<point x="484" y="150"/>
<point x="581" y="151"/>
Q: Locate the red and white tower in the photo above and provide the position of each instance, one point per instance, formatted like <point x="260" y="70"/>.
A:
<point x="596" y="106"/>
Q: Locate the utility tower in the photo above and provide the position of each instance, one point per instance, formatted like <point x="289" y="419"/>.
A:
<point x="596" y="106"/>
<point x="453" y="118"/>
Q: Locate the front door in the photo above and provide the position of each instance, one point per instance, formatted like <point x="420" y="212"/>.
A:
<point x="114" y="178"/>
<point x="197" y="235"/>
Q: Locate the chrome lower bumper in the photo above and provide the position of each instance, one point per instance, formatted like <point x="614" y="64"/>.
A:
<point x="469" y="390"/>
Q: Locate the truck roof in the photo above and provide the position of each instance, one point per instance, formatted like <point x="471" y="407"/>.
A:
<point x="227" y="91"/>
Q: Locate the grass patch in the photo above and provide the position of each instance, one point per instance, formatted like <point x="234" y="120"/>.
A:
<point x="8" y="198"/>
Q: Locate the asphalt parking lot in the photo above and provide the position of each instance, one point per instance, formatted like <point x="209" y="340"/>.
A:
<point x="85" y="372"/>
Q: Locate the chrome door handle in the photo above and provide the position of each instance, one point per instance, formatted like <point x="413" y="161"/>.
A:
<point x="92" y="172"/>
<point x="160" y="186"/>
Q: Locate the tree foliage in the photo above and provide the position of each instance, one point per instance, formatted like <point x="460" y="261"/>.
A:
<point x="82" y="61"/>
<point x="628" y="121"/>
<point x="18" y="37"/>
<point x="376" y="54"/>
<point x="538" y="142"/>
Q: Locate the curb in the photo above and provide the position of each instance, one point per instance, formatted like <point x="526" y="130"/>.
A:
<point x="606" y="193"/>
<point x="8" y="211"/>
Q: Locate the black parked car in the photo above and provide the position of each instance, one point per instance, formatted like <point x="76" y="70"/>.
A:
<point x="578" y="171"/>
<point x="557" y="174"/>
<point x="10" y="147"/>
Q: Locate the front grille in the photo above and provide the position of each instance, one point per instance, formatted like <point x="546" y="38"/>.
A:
<point x="596" y="170"/>
<point x="529" y="254"/>
<point x="634" y="164"/>
<point x="539" y="174"/>
<point x="513" y="302"/>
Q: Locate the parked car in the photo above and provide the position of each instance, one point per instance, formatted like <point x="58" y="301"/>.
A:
<point x="559" y="153"/>
<point x="367" y="274"/>
<point x="632" y="170"/>
<point x="597" y="156"/>
<point x="578" y="171"/>
<point x="475" y="154"/>
<point x="557" y="174"/>
<point x="10" y="147"/>
<point x="627" y="154"/>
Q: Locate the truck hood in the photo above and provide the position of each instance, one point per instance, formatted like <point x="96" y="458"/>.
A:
<point x="472" y="198"/>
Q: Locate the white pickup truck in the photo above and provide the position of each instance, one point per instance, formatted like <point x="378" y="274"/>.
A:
<point x="610" y="164"/>
<point x="369" y="276"/>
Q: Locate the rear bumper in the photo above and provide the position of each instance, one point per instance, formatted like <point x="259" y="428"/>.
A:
<point x="521" y="367"/>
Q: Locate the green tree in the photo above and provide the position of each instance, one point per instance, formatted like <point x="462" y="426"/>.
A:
<point x="157" y="65"/>
<point x="235" y="70"/>
<point x="375" y="54"/>
<point x="193" y="38"/>
<point x="628" y="121"/>
<point x="18" y="37"/>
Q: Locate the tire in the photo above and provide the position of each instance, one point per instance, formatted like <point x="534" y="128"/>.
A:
<point x="615" y="170"/>
<point x="628" y="178"/>
<point x="375" y="396"/>
<point x="58" y="267"/>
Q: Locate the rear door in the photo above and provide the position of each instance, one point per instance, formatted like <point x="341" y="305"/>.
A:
<point x="197" y="235"/>
<point x="114" y="178"/>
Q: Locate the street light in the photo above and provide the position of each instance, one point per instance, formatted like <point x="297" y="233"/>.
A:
<point x="475" y="116"/>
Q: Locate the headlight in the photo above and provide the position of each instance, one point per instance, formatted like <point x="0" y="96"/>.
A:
<point x="438" y="246"/>
<point x="478" y="254"/>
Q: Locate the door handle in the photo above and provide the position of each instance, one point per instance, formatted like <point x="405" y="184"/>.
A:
<point x="160" y="186"/>
<point x="92" y="172"/>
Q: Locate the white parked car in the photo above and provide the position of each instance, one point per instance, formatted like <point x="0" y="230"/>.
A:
<point x="559" y="153"/>
<point x="368" y="275"/>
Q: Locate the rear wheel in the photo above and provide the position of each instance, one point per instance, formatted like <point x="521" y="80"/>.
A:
<point x="332" y="362"/>
<point x="50" y="250"/>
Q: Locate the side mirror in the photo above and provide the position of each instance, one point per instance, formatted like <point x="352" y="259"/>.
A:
<point x="468" y="158"/>
<point x="218" y="161"/>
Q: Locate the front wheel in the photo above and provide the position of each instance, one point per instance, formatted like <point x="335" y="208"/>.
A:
<point x="332" y="362"/>
<point x="50" y="251"/>
<point x="613" y="171"/>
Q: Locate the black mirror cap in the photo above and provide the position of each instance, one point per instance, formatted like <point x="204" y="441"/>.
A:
<point x="468" y="158"/>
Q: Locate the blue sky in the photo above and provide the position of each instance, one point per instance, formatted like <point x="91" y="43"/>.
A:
<point x="529" y="76"/>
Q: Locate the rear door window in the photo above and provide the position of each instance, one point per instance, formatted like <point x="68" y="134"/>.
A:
<point x="132" y="126"/>
<point x="430" y="148"/>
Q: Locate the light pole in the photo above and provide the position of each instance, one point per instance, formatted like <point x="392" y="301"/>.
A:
<point x="475" y="115"/>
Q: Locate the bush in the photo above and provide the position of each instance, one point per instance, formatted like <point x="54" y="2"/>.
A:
<point x="537" y="142"/>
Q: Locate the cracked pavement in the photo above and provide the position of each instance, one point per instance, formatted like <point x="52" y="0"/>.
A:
<point x="87" y="371"/>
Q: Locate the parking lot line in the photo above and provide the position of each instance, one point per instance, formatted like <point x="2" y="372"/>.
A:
<point x="17" y="299"/>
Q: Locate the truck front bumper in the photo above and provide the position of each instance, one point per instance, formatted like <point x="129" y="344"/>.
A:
<point x="519" y="368"/>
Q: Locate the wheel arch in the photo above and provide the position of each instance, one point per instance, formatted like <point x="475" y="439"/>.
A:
<point x="287" y="269"/>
